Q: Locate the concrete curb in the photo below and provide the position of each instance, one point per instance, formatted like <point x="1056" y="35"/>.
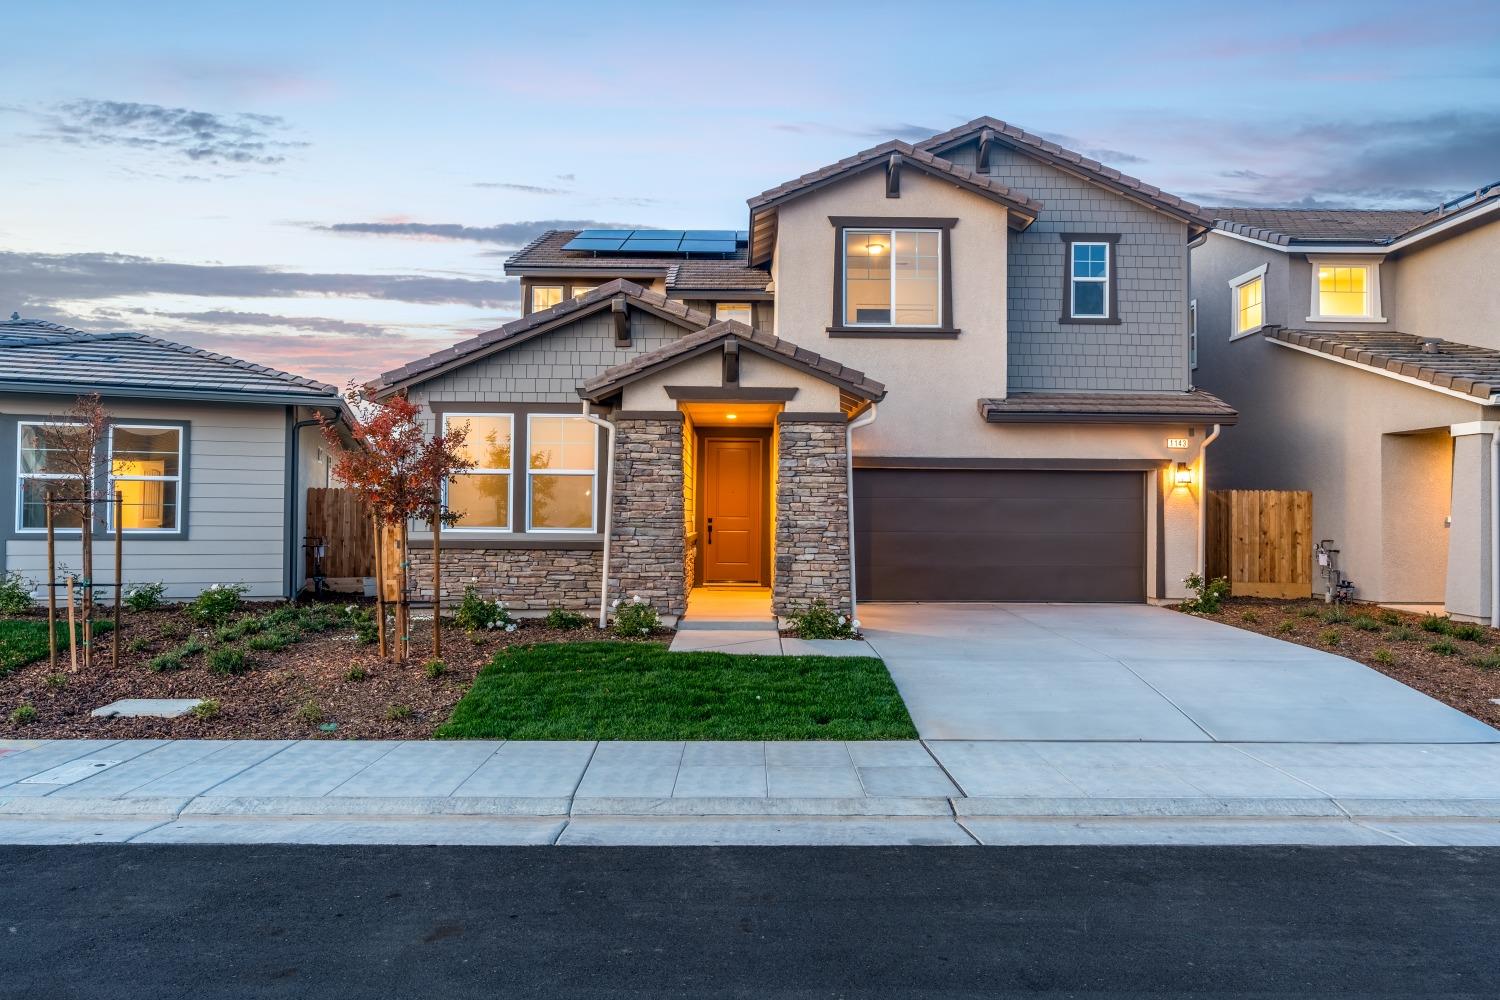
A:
<point x="39" y="807"/>
<point x="1421" y="808"/>
<point x="374" y="806"/>
<point x="614" y="806"/>
<point x="1199" y="807"/>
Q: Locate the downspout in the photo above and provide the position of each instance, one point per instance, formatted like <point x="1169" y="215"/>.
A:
<point x="609" y="507"/>
<point x="863" y="420"/>
<point x="1203" y="502"/>
<point x="1495" y="527"/>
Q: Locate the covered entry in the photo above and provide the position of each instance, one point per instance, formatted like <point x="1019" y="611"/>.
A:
<point x="999" y="535"/>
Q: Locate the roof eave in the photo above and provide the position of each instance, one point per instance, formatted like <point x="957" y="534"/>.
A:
<point x="154" y="392"/>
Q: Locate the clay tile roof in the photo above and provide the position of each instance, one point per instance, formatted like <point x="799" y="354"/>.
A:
<point x="537" y="323"/>
<point x="1049" y="151"/>
<point x="1463" y="368"/>
<point x="1284" y="226"/>
<point x="611" y="380"/>
<point x="1194" y="407"/>
<point x="716" y="275"/>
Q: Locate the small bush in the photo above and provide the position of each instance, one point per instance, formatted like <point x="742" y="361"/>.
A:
<point x="366" y="631"/>
<point x="1335" y="616"/>
<point x="1365" y="623"/>
<point x="1489" y="661"/>
<point x="1250" y="617"/>
<point x="165" y="661"/>
<point x="1443" y="647"/>
<point x="819" y="621"/>
<point x="1309" y="611"/>
<point x="1383" y="656"/>
<point x="1389" y="617"/>
<point x="434" y="669"/>
<point x="1285" y="627"/>
<point x="560" y="618"/>
<point x="192" y="647"/>
<point x="396" y="713"/>
<point x="23" y="714"/>
<point x="228" y="660"/>
<point x="475" y="613"/>
<point x="138" y="645"/>
<point x="1208" y="595"/>
<point x="1403" y="633"/>
<point x="271" y="642"/>
<point x="172" y="630"/>
<point x="1469" y="632"/>
<point x="56" y="681"/>
<point x="635" y="618"/>
<point x="145" y="596"/>
<point x="1330" y="637"/>
<point x="217" y="603"/>
<point x="15" y="594"/>
<point x="1436" y="624"/>
<point x="205" y="709"/>
<point x="356" y="674"/>
<point x="310" y="713"/>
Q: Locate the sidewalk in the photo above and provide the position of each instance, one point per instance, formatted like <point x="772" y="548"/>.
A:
<point x="934" y="792"/>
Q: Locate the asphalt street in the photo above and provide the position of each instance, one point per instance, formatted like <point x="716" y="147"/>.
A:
<point x="450" y="922"/>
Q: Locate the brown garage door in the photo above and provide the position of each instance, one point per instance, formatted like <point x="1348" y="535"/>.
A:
<point x="987" y="535"/>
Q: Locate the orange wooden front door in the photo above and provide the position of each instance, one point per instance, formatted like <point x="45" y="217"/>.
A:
<point x="733" y="510"/>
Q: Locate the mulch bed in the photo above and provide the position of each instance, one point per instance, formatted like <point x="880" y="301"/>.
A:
<point x="393" y="700"/>
<point x="1452" y="679"/>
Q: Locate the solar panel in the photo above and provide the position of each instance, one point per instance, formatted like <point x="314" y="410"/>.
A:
<point x="658" y="234"/>
<point x="580" y="243"/>
<point x="650" y="246"/>
<point x="604" y="234"/>
<point x="709" y="234"/>
<point x="707" y="246"/>
<point x="658" y="241"/>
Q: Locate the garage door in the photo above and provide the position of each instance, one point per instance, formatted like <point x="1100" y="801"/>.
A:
<point x="987" y="535"/>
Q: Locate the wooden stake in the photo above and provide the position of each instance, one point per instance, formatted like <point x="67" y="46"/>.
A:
<point x="403" y="611"/>
<point x="437" y="577"/>
<point x="114" y="655"/>
<point x="379" y="583"/>
<point x="51" y="590"/>
<point x="72" y="635"/>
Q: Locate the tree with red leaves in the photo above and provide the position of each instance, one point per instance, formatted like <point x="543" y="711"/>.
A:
<point x="399" y="472"/>
<point x="75" y="446"/>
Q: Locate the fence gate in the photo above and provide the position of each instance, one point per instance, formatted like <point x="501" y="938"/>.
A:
<point x="338" y="517"/>
<point x="1262" y="541"/>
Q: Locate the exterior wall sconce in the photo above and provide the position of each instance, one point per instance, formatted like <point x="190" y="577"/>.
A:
<point x="1183" y="475"/>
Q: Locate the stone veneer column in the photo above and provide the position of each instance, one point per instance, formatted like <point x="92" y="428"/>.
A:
<point x="812" y="513"/>
<point x="647" y="542"/>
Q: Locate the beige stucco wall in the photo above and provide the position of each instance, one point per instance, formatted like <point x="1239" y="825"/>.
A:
<point x="1449" y="289"/>
<point x="1470" y="581"/>
<point x="1417" y="479"/>
<point x="813" y="394"/>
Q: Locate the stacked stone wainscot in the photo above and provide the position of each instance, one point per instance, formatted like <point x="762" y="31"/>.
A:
<point x="525" y="579"/>
<point x="812" y="515"/>
<point x="648" y="548"/>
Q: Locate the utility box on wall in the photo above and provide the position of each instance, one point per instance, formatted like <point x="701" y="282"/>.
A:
<point x="1261" y="540"/>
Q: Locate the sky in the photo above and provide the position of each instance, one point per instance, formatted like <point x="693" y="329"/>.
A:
<point x="333" y="188"/>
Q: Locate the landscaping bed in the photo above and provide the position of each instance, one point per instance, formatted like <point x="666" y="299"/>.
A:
<point x="303" y="671"/>
<point x="1458" y="665"/>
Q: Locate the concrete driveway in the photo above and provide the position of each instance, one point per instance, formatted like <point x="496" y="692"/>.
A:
<point x="1125" y="672"/>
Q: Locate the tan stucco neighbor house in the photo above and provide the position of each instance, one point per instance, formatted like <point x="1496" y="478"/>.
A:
<point x="1363" y="350"/>
<point x="952" y="370"/>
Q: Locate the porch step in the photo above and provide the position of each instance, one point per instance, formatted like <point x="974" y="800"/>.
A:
<point x="756" y="624"/>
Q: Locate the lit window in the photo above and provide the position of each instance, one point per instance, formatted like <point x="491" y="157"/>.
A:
<point x="892" y="277"/>
<point x="739" y="311"/>
<point x="1345" y="290"/>
<point x="1088" y="275"/>
<point x="1193" y="334"/>
<point x="42" y="466"/>
<point x="545" y="296"/>
<point x="481" y="496"/>
<point x="578" y="291"/>
<point x="145" y="468"/>
<point x="560" y="473"/>
<point x="1248" y="302"/>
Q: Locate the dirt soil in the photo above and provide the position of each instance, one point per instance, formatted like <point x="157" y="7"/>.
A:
<point x="298" y="692"/>
<point x="1455" y="679"/>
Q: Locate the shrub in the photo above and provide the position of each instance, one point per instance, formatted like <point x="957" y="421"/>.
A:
<point x="1365" y="623"/>
<point x="192" y="647"/>
<point x="56" y="681"/>
<point x="819" y="621"/>
<point x="1309" y="611"/>
<point x="475" y="613"/>
<point x="23" y="714"/>
<point x="217" y="603"/>
<point x="1436" y="624"/>
<point x="565" y="620"/>
<point x="1489" y="661"/>
<point x="363" y="622"/>
<point x="310" y="713"/>
<point x="205" y="709"/>
<point x="145" y="596"/>
<point x="1469" y="632"/>
<point x="1443" y="647"/>
<point x="271" y="642"/>
<point x="1403" y="633"/>
<point x="228" y="660"/>
<point x="138" y="645"/>
<point x="1383" y="656"/>
<point x="1285" y="627"/>
<point x="1390" y="617"/>
<point x="165" y="661"/>
<point x="1329" y="637"/>
<point x="634" y="618"/>
<point x="356" y="674"/>
<point x="1208" y="595"/>
<point x="1336" y="616"/>
<point x="1250" y="617"/>
<point x="15" y="594"/>
<point x="172" y="630"/>
<point x="396" y="713"/>
<point x="434" y="669"/>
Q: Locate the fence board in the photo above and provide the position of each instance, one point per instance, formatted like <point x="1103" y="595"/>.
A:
<point x="1262" y="541"/>
<point x="338" y="517"/>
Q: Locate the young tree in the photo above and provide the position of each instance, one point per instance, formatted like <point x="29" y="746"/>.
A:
<point x="399" y="472"/>
<point x="73" y="449"/>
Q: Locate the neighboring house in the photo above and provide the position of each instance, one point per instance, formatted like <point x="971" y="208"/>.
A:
<point x="979" y="343"/>
<point x="1363" y="350"/>
<point x="212" y="455"/>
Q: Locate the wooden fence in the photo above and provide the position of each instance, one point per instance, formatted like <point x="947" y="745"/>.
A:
<point x="1262" y="541"/>
<point x="337" y="516"/>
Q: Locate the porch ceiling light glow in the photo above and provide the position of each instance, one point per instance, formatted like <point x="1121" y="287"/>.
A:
<point x="1184" y="475"/>
<point x="731" y="416"/>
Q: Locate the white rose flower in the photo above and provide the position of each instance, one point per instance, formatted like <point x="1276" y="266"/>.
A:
<point x="615" y="603"/>
<point x="854" y="624"/>
<point x="842" y="619"/>
<point x="511" y="627"/>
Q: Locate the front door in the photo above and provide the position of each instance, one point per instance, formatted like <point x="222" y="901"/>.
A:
<point x="733" y="504"/>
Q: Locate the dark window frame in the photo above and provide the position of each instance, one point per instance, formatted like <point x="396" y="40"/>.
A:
<point x="946" y="330"/>
<point x="1111" y="285"/>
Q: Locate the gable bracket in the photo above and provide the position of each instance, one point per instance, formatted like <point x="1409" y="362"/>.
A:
<point x="986" y="144"/>
<point x="731" y="362"/>
<point x="893" y="176"/>
<point x="621" y="312"/>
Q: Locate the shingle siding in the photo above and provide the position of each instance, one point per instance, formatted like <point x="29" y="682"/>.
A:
<point x="1147" y="351"/>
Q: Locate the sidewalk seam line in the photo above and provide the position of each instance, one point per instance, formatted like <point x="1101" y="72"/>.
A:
<point x="453" y="792"/>
<point x="257" y="763"/>
<point x="573" y="795"/>
<point x="963" y="792"/>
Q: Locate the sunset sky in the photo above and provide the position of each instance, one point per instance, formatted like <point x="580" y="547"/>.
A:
<point x="333" y="188"/>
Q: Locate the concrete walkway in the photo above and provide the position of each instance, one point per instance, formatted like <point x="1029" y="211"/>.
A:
<point x="739" y="620"/>
<point x="934" y="792"/>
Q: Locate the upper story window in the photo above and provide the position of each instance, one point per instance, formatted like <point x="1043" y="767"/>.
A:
<point x="545" y="297"/>
<point x="1248" y="302"/>
<point x="578" y="291"/>
<point x="42" y="468"/>
<point x="1089" y="282"/>
<point x="481" y="496"/>
<point x="892" y="278"/>
<point x="561" y="473"/>
<point x="145" y="468"/>
<point x="739" y="311"/>
<point x="1345" y="290"/>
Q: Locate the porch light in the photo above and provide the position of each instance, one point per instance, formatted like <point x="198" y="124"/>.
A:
<point x="731" y="416"/>
<point x="1184" y="475"/>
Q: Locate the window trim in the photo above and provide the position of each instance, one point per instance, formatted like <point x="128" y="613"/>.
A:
<point x="1235" y="333"/>
<point x="180" y="479"/>
<point x="945" y="328"/>
<point x="1193" y="334"/>
<point x="1373" y="313"/>
<point x="510" y="494"/>
<point x="1111" y="315"/>
<point x="593" y="527"/>
<point x="531" y="290"/>
<point x="750" y="306"/>
<point x="20" y="499"/>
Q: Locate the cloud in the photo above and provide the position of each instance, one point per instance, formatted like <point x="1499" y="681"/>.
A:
<point x="900" y="130"/>
<point x="198" y="136"/>
<point x="39" y="278"/>
<point x="523" y="188"/>
<point x="507" y="234"/>
<point x="1101" y="153"/>
<point x="230" y="317"/>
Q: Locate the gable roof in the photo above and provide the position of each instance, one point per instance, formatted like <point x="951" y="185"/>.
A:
<point x="1284" y="226"/>
<point x="1071" y="162"/>
<point x="763" y="205"/>
<point x="1461" y="369"/>
<point x="37" y="356"/>
<point x="1191" y="407"/>
<point x="612" y="380"/>
<point x="527" y="327"/>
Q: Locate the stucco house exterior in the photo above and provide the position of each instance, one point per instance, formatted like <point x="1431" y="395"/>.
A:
<point x="950" y="370"/>
<point x="213" y="456"/>
<point x="1363" y="351"/>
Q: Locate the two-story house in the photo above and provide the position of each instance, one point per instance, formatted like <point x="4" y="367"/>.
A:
<point x="955" y="370"/>
<point x="1363" y="348"/>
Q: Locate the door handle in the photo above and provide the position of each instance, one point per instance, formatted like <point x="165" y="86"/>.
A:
<point x="710" y="531"/>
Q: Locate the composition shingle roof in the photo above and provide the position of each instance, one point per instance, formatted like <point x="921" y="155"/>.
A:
<point x="1284" y="226"/>
<point x="1463" y="368"/>
<point x="546" y="253"/>
<point x="536" y="324"/>
<point x="1051" y="152"/>
<point x="710" y="275"/>
<point x="41" y="356"/>
<point x="1195" y="406"/>
<point x="611" y="380"/>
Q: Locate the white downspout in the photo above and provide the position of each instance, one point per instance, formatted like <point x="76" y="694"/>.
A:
<point x="1203" y="503"/>
<point x="1495" y="527"/>
<point x="863" y="420"/>
<point x="609" y="507"/>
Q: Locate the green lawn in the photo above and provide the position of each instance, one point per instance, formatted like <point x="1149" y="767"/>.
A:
<point x="24" y="640"/>
<point x="636" y="691"/>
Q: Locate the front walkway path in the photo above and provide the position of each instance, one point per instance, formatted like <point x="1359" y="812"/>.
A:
<point x="739" y="620"/>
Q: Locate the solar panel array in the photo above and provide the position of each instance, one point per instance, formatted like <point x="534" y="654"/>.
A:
<point x="659" y="241"/>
